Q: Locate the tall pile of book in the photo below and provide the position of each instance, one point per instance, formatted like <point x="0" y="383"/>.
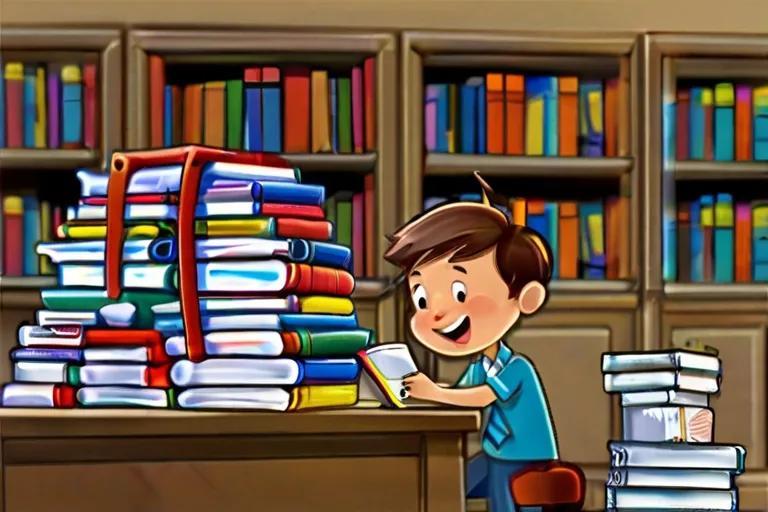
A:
<point x="667" y="458"/>
<point x="234" y="300"/>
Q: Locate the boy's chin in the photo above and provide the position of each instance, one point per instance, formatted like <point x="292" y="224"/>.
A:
<point x="446" y="348"/>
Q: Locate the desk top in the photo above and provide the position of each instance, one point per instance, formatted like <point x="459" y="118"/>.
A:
<point x="131" y="422"/>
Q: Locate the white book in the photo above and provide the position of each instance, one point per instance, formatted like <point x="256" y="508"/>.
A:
<point x="675" y="478"/>
<point x="118" y="396"/>
<point x="48" y="372"/>
<point x="656" y="424"/>
<point x="135" y="250"/>
<point x="151" y="276"/>
<point x="116" y="355"/>
<point x="384" y="367"/>
<point x="46" y="317"/>
<point x="636" y="454"/>
<point x="636" y="498"/>
<point x="661" y="380"/>
<point x="132" y="212"/>
<point x="52" y="336"/>
<point x="264" y="399"/>
<point x="287" y="304"/>
<point x="233" y="372"/>
<point x="620" y="362"/>
<point x="227" y="192"/>
<point x="118" y="375"/>
<point x="661" y="398"/>
<point x="174" y="324"/>
<point x="16" y="394"/>
<point x="239" y="343"/>
<point x="242" y="276"/>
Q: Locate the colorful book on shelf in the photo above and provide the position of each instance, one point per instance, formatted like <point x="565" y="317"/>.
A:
<point x="724" y="122"/>
<point x="760" y="105"/>
<point x="591" y="131"/>
<point x="743" y="123"/>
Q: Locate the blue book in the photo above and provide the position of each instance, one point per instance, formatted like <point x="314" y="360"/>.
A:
<point x="552" y="212"/>
<point x="322" y="254"/>
<point x="697" y="244"/>
<point x="724" y="122"/>
<point x="591" y="213"/>
<point x="760" y="100"/>
<point x="469" y="115"/>
<point x="760" y="241"/>
<point x="333" y="84"/>
<point x="271" y="112"/>
<point x="30" y="106"/>
<point x="442" y="119"/>
<point x="724" y="239"/>
<point x="330" y="370"/>
<point x="696" y="124"/>
<point x="318" y="323"/>
<point x="2" y="106"/>
<point x="253" y="126"/>
<point x="481" y="120"/>
<point x="31" y="235"/>
<point x="551" y="116"/>
<point x="168" y="118"/>
<point x="71" y="109"/>
<point x="292" y="193"/>
<point x="591" y="118"/>
<point x="538" y="221"/>
<point x="67" y="355"/>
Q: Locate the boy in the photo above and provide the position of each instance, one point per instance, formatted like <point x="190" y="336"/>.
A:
<point x="471" y="274"/>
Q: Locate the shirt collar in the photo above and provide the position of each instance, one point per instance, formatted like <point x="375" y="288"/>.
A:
<point x="502" y="358"/>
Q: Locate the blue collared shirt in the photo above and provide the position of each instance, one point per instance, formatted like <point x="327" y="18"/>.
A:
<point x="518" y="425"/>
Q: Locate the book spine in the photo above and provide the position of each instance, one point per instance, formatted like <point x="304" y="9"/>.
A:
<point x="272" y="98"/>
<point x="494" y="113"/>
<point x="760" y="241"/>
<point x="482" y="123"/>
<point x="453" y="123"/>
<point x="31" y="227"/>
<point x="724" y="242"/>
<point x="156" y="100"/>
<point x="568" y="243"/>
<point x="697" y="244"/>
<point x="345" y="115"/>
<point x="358" y="127"/>
<point x="707" y="227"/>
<point x="41" y="117"/>
<point x="30" y="105"/>
<point x="611" y="110"/>
<point x="177" y="111"/>
<point x="743" y="243"/>
<point x="297" y="110"/>
<point x="682" y="125"/>
<point x="568" y="122"/>
<point x="90" y="106"/>
<point x="514" y="95"/>
<point x="193" y="114"/>
<point x="14" y="104"/>
<point x="234" y="94"/>
<point x="46" y="233"/>
<point x="333" y="85"/>
<point x="591" y="114"/>
<point x="760" y="131"/>
<point x="54" y="107"/>
<point x="2" y="114"/>
<point x="358" y="234"/>
<point x="370" y="225"/>
<point x="684" y="242"/>
<point x="214" y="108"/>
<point x="707" y="102"/>
<point x="724" y="122"/>
<point x="442" y="119"/>
<point x="535" y="116"/>
<point x="344" y="222"/>
<point x="591" y="219"/>
<point x="168" y="117"/>
<point x="430" y="117"/>
<point x="551" y="129"/>
<point x="468" y="107"/>
<point x="369" y="78"/>
<point x="321" y="120"/>
<point x="743" y="123"/>
<point x="13" y="235"/>
<point x="302" y="228"/>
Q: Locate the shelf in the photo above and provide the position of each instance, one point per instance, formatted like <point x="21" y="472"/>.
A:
<point x="596" y="65"/>
<point x="359" y="163"/>
<point x="442" y="164"/>
<point x="695" y="170"/>
<point x="48" y="159"/>
<point x="583" y="294"/>
<point x="717" y="292"/>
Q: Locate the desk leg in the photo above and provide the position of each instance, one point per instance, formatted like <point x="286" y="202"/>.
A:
<point x="443" y="473"/>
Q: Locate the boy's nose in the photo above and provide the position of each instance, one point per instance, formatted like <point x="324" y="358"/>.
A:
<point x="439" y="316"/>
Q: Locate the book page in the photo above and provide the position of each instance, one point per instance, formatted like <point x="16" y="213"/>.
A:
<point x="393" y="361"/>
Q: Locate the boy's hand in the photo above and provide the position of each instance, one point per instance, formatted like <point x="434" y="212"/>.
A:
<point x="420" y="387"/>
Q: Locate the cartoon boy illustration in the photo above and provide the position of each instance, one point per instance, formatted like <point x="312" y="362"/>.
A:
<point x="471" y="274"/>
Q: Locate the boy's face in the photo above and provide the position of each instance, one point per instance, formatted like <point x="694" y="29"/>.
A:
<point x="461" y="307"/>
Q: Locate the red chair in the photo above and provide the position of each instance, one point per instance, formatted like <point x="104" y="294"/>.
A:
<point x="551" y="486"/>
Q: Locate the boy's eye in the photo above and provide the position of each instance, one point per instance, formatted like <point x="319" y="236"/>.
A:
<point x="459" y="291"/>
<point x="419" y="297"/>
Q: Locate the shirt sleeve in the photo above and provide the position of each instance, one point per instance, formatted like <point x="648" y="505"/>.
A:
<point x="465" y="381"/>
<point x="511" y="378"/>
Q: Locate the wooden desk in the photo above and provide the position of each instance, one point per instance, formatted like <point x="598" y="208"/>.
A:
<point x="165" y="461"/>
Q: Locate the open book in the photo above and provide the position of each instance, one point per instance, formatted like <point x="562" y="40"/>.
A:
<point x="384" y="367"/>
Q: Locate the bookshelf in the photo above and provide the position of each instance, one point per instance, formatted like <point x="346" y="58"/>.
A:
<point x="219" y="50"/>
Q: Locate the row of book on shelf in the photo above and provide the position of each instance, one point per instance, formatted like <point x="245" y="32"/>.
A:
<point x="719" y="240"/>
<point x="290" y="109"/>
<point x="526" y="115"/>
<point x="589" y="239"/>
<point x="267" y="325"/>
<point x="48" y="106"/>
<point x="723" y="123"/>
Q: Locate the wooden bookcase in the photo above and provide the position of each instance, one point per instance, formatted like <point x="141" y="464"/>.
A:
<point x="308" y="48"/>
<point x="731" y="317"/>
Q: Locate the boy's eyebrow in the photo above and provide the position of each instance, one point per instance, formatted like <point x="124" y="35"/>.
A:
<point x="458" y="268"/>
<point x="415" y="273"/>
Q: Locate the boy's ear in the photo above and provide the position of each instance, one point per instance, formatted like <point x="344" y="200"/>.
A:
<point x="531" y="297"/>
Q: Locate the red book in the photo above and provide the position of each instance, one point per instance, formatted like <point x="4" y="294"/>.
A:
<point x="156" y="100"/>
<point x="682" y="128"/>
<point x="58" y="219"/>
<point x="122" y="338"/>
<point x="308" y="279"/>
<point x="358" y="113"/>
<point x="292" y="210"/>
<point x="135" y="199"/>
<point x="358" y="234"/>
<point x="321" y="230"/>
<point x="709" y="132"/>
<point x="296" y="88"/>
<point x="13" y="236"/>
<point x="14" y="105"/>
<point x="193" y="158"/>
<point x="369" y="77"/>
<point x="90" y="106"/>
<point x="370" y="225"/>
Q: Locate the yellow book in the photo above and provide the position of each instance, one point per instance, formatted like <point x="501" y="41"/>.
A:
<point x="759" y="100"/>
<point x="46" y="267"/>
<point x="595" y="226"/>
<point x="534" y="126"/>
<point x="760" y="215"/>
<point x="41" y="131"/>
<point x="315" y="397"/>
<point x="13" y="205"/>
<point x="519" y="209"/>
<point x="14" y="71"/>
<point x="724" y="212"/>
<point x="234" y="227"/>
<point x="452" y="121"/>
<point x="724" y="95"/>
<point x="100" y="232"/>
<point x="322" y="305"/>
<point x="707" y="96"/>
<point x="707" y="212"/>
<point x="71" y="74"/>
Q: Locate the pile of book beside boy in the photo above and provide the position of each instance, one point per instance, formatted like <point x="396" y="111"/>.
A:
<point x="279" y="330"/>
<point x="667" y="458"/>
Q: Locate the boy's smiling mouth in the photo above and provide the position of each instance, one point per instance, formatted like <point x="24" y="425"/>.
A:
<point x="458" y="332"/>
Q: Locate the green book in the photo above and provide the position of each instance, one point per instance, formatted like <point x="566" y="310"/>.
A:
<point x="93" y="300"/>
<point x="234" y="92"/>
<point x="333" y="343"/>
<point x="330" y="214"/>
<point x="344" y="220"/>
<point x="345" y="115"/>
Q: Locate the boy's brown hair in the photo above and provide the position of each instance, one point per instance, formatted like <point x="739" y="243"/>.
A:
<point x="467" y="230"/>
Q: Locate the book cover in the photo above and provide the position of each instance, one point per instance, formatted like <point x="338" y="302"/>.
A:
<point x="743" y="123"/>
<point x="369" y="92"/>
<point x="514" y="94"/>
<point x="300" y="398"/>
<point x="468" y="116"/>
<point x="53" y="90"/>
<point x="675" y="424"/>
<point x="677" y="380"/>
<point x="156" y="100"/>
<point x="724" y="122"/>
<point x="682" y="126"/>
<point x="591" y="118"/>
<point x="568" y="122"/>
<point x="535" y="116"/>
<point x="125" y="397"/>
<point x="724" y="243"/>
<point x="271" y="111"/>
<point x="234" y="113"/>
<point x="430" y="117"/>
<point x="321" y="118"/>
<point x="760" y="133"/>
<point x="494" y="113"/>
<point x="675" y="359"/>
<point x="41" y="118"/>
<point x="743" y="243"/>
<point x="38" y="395"/>
<point x="664" y="398"/>
<point x="633" y="454"/>
<point x="14" y="104"/>
<point x="384" y="368"/>
<point x="442" y="119"/>
<point x="684" y="242"/>
<point x="297" y="113"/>
<point x="673" y="478"/>
<point x="634" y="498"/>
<point x="30" y="105"/>
<point x="214" y="103"/>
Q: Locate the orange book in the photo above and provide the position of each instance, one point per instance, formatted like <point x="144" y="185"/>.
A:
<point x="296" y="90"/>
<point x="193" y="114"/>
<point x="156" y="100"/>
<point x="514" y="93"/>
<point x="568" y="243"/>
<point x="369" y="92"/>
<point x="743" y="242"/>
<point x="625" y="244"/>
<point x="321" y="116"/>
<point x="213" y="132"/>
<point x="743" y="123"/>
<point x="369" y="209"/>
<point x="614" y="237"/>
<point x="519" y="209"/>
<point x="494" y="83"/>
<point x="568" y="116"/>
<point x="623" y="108"/>
<point x="611" y="113"/>
<point x="177" y="109"/>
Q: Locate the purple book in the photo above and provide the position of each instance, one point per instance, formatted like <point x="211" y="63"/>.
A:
<point x="54" y="107"/>
<point x="47" y="354"/>
<point x="430" y="117"/>
<point x="357" y="109"/>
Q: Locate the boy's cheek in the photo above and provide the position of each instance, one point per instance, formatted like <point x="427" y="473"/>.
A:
<point x="482" y="308"/>
<point x="421" y="324"/>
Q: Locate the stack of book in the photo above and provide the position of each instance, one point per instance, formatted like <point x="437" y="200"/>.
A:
<point x="667" y="458"/>
<point x="278" y="329"/>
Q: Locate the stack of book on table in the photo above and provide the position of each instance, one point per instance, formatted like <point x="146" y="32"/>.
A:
<point x="667" y="458"/>
<point x="269" y="292"/>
